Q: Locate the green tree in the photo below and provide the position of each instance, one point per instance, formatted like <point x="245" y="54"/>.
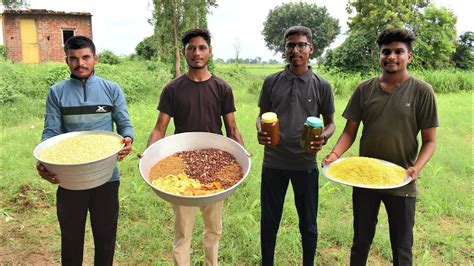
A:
<point x="108" y="57"/>
<point x="436" y="38"/>
<point x="352" y="54"/>
<point x="15" y="4"/>
<point x="375" y="16"/>
<point x="219" y="61"/>
<point x="463" y="58"/>
<point x="372" y="17"/>
<point x="147" y="48"/>
<point x="324" y="27"/>
<point x="171" y="19"/>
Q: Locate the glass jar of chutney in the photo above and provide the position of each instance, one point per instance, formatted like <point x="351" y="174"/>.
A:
<point x="312" y="128"/>
<point x="271" y="125"/>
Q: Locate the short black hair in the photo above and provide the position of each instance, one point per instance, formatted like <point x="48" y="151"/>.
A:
<point x="396" y="35"/>
<point x="188" y="35"/>
<point x="299" y="30"/>
<point x="79" y="42"/>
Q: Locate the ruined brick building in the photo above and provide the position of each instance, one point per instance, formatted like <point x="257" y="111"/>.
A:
<point x="38" y="35"/>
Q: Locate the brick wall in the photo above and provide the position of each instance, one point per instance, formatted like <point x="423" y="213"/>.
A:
<point x="49" y="28"/>
<point x="11" y="38"/>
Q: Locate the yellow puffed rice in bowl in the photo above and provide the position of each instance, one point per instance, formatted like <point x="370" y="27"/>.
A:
<point x="366" y="172"/>
<point x="81" y="160"/>
<point x="81" y="149"/>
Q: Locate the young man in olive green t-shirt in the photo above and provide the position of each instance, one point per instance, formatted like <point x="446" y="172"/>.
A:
<point x="393" y="107"/>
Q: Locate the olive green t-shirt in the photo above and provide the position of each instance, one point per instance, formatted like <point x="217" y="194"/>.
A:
<point x="391" y="122"/>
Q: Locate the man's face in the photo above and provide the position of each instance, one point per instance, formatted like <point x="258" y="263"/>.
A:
<point x="81" y="62"/>
<point x="197" y="53"/>
<point x="298" y="50"/>
<point x="394" y="57"/>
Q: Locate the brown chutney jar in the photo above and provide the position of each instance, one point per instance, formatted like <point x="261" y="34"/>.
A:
<point x="271" y="125"/>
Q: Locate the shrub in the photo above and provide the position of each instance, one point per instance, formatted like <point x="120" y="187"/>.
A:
<point x="108" y="57"/>
<point x="3" y="55"/>
<point x="136" y="80"/>
<point x="255" y="87"/>
<point x="56" y="73"/>
<point x="8" y="93"/>
<point x="26" y="80"/>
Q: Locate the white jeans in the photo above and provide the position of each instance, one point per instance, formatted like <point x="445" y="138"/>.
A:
<point x="184" y="217"/>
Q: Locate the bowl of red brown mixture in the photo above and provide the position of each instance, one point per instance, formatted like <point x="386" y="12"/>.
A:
<point x="194" y="168"/>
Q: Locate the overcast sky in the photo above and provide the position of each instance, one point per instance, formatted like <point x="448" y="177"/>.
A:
<point x="119" y="25"/>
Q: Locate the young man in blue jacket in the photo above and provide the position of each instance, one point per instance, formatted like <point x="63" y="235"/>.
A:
<point x="86" y="102"/>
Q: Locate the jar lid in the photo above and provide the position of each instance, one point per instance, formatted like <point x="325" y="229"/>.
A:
<point x="313" y="121"/>
<point x="269" y="117"/>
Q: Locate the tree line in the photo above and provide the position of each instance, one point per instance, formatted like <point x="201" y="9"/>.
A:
<point x="253" y="61"/>
<point x="437" y="45"/>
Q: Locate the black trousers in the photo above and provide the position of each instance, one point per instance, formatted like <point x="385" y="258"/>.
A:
<point x="273" y="190"/>
<point x="401" y="219"/>
<point x="72" y="206"/>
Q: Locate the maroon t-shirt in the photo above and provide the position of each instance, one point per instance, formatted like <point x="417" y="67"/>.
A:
<point x="197" y="106"/>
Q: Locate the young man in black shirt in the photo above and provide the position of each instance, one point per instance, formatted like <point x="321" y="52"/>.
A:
<point x="197" y="101"/>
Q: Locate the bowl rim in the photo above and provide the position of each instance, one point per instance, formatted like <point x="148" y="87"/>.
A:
<point x="229" y="189"/>
<point x="406" y="180"/>
<point x="72" y="134"/>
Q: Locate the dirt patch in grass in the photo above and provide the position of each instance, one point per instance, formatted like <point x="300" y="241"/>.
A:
<point x="17" y="247"/>
<point x="333" y="256"/>
<point x="26" y="239"/>
<point x="37" y="257"/>
<point x="31" y="197"/>
<point x="449" y="225"/>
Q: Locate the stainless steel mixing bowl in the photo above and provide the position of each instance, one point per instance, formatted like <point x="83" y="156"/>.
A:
<point x="84" y="175"/>
<point x="193" y="141"/>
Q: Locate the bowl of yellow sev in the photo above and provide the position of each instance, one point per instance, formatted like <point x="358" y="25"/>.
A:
<point x="194" y="168"/>
<point x="81" y="160"/>
<point x="366" y="172"/>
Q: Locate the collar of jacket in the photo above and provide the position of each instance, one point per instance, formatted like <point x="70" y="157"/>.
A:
<point x="86" y="81"/>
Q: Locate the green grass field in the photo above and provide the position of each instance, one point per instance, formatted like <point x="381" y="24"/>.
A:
<point x="443" y="229"/>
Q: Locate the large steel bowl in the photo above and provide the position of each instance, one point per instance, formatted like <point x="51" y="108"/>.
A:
<point x="83" y="175"/>
<point x="187" y="142"/>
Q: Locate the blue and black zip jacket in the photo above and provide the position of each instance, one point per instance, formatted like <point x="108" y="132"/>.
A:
<point x="92" y="104"/>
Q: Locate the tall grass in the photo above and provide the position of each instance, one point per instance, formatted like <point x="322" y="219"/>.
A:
<point x="447" y="81"/>
<point x="27" y="85"/>
<point x="24" y="85"/>
<point x="443" y="230"/>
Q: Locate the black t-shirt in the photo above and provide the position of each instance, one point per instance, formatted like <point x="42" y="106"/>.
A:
<point x="197" y="106"/>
